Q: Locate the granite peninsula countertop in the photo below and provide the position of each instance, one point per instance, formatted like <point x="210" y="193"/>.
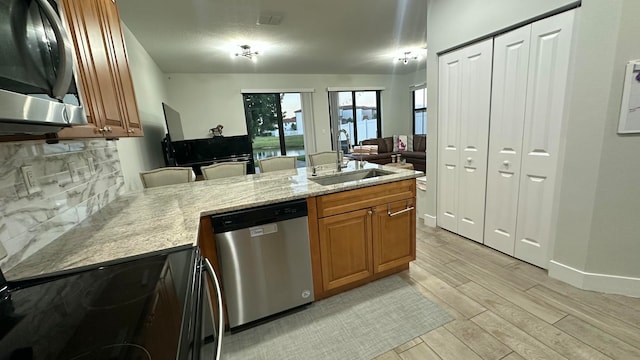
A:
<point x="165" y="218"/>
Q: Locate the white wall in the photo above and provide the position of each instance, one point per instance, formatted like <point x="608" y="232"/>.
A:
<point x="139" y="154"/>
<point x="598" y="200"/>
<point x="417" y="78"/>
<point x="206" y="100"/>
<point x="601" y="167"/>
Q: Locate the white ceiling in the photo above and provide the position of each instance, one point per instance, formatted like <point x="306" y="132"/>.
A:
<point x="314" y="37"/>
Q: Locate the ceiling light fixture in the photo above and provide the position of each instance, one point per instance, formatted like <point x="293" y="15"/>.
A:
<point x="247" y="53"/>
<point x="408" y="56"/>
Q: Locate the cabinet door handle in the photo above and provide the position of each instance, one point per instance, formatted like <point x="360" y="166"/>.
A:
<point x="408" y="208"/>
<point x="369" y="212"/>
<point x="400" y="212"/>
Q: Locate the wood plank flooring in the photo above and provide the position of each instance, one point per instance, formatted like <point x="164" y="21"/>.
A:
<point x="505" y="309"/>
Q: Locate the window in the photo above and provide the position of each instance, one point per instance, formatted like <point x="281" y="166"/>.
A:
<point x="275" y="124"/>
<point x="358" y="114"/>
<point x="420" y="111"/>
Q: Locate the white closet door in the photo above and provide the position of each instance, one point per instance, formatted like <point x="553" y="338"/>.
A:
<point x="508" y="97"/>
<point x="546" y="88"/>
<point x="464" y="98"/>
<point x="449" y="90"/>
<point x="474" y="139"/>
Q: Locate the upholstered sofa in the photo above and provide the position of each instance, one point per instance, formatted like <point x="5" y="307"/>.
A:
<point x="415" y="155"/>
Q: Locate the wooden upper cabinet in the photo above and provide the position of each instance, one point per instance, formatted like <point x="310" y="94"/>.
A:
<point x="394" y="234"/>
<point x="122" y="72"/>
<point x="104" y="78"/>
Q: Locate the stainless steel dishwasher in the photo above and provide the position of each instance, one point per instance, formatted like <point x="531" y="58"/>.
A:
<point x="265" y="260"/>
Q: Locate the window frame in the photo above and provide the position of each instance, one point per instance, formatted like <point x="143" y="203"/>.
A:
<point x="415" y="110"/>
<point x="355" y="139"/>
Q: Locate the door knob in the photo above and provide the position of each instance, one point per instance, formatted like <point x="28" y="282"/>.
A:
<point x="505" y="163"/>
<point x="469" y="160"/>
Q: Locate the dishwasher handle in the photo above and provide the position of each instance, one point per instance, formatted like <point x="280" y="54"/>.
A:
<point x="212" y="274"/>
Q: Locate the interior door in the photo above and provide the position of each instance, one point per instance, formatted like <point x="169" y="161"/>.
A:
<point x="546" y="88"/>
<point x="508" y="97"/>
<point x="464" y="103"/>
<point x="474" y="139"/>
<point x="450" y="68"/>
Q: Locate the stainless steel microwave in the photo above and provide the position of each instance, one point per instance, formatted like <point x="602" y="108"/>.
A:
<point x="38" y="93"/>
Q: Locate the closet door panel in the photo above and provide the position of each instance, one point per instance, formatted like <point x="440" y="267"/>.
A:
<point x="508" y="98"/>
<point x="546" y="88"/>
<point x="474" y="134"/>
<point x="450" y="77"/>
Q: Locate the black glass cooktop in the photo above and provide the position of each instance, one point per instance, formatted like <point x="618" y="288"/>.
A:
<point x="132" y="310"/>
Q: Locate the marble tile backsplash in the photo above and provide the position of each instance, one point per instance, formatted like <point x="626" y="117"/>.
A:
<point x="28" y="222"/>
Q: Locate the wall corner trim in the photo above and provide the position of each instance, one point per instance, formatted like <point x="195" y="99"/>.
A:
<point x="613" y="284"/>
<point x="430" y="220"/>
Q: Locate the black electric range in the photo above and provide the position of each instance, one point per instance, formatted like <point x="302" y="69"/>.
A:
<point x="154" y="307"/>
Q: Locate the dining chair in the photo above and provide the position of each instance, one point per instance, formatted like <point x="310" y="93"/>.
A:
<point x="222" y="170"/>
<point x="167" y="176"/>
<point x="276" y="163"/>
<point x="323" y="158"/>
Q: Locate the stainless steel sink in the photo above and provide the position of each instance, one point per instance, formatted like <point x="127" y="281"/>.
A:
<point x="347" y="176"/>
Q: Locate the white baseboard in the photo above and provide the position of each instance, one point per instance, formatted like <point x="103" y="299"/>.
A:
<point x="612" y="284"/>
<point x="429" y="220"/>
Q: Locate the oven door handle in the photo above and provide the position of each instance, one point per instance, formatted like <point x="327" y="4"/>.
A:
<point x="212" y="274"/>
<point x="63" y="80"/>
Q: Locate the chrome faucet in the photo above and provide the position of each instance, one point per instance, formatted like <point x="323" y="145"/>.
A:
<point x="339" y="148"/>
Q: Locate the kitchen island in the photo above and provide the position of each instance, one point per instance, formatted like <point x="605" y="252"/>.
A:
<point x="164" y="218"/>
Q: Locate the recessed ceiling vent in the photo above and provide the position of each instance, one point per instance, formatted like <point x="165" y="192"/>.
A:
<point x="269" y="18"/>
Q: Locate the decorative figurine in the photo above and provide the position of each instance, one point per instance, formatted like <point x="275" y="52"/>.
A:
<point x="216" y="131"/>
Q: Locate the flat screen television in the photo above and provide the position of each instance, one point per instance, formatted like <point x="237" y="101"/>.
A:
<point x="174" y="123"/>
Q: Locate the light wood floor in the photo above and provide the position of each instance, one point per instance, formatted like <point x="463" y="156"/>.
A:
<point x="507" y="309"/>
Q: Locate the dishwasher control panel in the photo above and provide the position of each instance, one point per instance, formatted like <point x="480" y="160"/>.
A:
<point x="259" y="216"/>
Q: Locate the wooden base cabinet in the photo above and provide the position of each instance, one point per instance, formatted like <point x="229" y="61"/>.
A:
<point x="345" y="248"/>
<point x="361" y="235"/>
<point x="104" y="78"/>
<point x="394" y="234"/>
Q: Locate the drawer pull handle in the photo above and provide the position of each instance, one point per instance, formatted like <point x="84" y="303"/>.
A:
<point x="398" y="212"/>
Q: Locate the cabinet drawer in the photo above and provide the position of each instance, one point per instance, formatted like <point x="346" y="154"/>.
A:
<point x="342" y="202"/>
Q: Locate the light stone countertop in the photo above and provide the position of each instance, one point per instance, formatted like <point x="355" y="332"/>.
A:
<point x="167" y="218"/>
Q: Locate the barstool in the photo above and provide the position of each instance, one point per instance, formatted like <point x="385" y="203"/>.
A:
<point x="276" y="163"/>
<point x="167" y="176"/>
<point x="222" y="170"/>
<point x="324" y="158"/>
